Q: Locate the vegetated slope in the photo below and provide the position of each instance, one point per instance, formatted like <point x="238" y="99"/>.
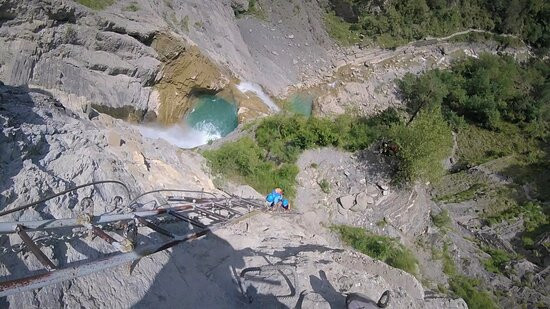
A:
<point x="498" y="110"/>
<point x="495" y="199"/>
<point x="393" y="23"/>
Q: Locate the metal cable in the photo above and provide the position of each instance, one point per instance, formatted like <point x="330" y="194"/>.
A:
<point x="5" y="212"/>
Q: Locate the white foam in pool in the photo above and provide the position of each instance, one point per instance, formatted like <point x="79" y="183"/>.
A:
<point x="181" y="135"/>
<point x="257" y="89"/>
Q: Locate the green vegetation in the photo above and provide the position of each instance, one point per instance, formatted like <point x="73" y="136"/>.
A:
<point x="487" y="91"/>
<point x="96" y="4"/>
<point x="423" y="145"/>
<point x="465" y="195"/>
<point x="340" y="30"/>
<point x="497" y="261"/>
<point x="132" y="7"/>
<point x="535" y="220"/>
<point x="467" y="288"/>
<point x="382" y="248"/>
<point x="269" y="161"/>
<point x="244" y="160"/>
<point x="184" y="23"/>
<point x="442" y="219"/>
<point x="499" y="108"/>
<point x="472" y="292"/>
<point x="325" y="186"/>
<point x="397" y="22"/>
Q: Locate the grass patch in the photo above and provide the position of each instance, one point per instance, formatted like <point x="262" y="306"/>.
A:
<point x="477" y="146"/>
<point x="469" y="289"/>
<point x="97" y="5"/>
<point x="325" y="186"/>
<point x="442" y="219"/>
<point x="535" y="220"/>
<point x="255" y="10"/>
<point x="378" y="247"/>
<point x="497" y="261"/>
<point x="243" y="160"/>
<point x="340" y="30"/>
<point x="466" y="195"/>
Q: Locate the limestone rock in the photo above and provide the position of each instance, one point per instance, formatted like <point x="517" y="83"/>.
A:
<point x="383" y="186"/>
<point x="364" y="199"/>
<point x="372" y="190"/>
<point x="346" y="201"/>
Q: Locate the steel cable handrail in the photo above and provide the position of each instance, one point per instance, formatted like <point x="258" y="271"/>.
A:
<point x="5" y="212"/>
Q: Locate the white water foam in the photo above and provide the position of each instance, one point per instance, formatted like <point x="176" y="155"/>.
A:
<point x="181" y="135"/>
<point x="257" y="89"/>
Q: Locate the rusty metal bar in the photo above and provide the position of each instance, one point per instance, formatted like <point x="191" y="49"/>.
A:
<point x="34" y="248"/>
<point x="79" y="269"/>
<point x="84" y="269"/>
<point x="155" y="227"/>
<point x="186" y="219"/>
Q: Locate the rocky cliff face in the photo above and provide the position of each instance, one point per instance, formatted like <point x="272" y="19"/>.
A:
<point x="119" y="60"/>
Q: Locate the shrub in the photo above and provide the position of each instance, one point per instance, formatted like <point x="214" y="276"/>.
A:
<point x="423" y="145"/>
<point x="442" y="219"/>
<point x="379" y="247"/>
<point x="325" y="186"/>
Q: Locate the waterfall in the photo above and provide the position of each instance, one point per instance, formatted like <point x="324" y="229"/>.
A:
<point x="257" y="89"/>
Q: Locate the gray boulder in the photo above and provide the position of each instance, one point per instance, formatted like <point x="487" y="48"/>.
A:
<point x="346" y="201"/>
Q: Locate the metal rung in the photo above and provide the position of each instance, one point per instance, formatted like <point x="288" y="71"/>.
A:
<point x="34" y="248"/>
<point x="227" y="208"/>
<point x="210" y="213"/>
<point x="124" y="246"/>
<point x="155" y="227"/>
<point x="186" y="219"/>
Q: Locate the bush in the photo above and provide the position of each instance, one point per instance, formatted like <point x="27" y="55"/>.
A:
<point x="442" y="219"/>
<point x="423" y="145"/>
<point x="382" y="248"/>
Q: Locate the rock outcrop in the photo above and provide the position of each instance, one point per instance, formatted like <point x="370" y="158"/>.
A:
<point x="186" y="72"/>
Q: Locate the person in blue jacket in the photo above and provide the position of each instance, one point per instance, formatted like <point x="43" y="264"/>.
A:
<point x="276" y="200"/>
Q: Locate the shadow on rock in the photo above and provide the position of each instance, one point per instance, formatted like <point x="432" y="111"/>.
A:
<point x="18" y="141"/>
<point x="202" y="274"/>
